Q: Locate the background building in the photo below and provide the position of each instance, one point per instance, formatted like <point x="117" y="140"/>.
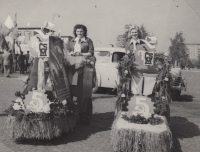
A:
<point x="24" y="37"/>
<point x="25" y="34"/>
<point x="193" y="50"/>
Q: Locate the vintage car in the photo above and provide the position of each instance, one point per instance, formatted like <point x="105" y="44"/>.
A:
<point x="106" y="63"/>
<point x="107" y="74"/>
<point x="177" y="83"/>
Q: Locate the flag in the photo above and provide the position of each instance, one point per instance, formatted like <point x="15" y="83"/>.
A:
<point x="59" y="33"/>
<point x="14" y="33"/>
<point x="146" y="46"/>
<point x="7" y="27"/>
<point x="3" y="42"/>
<point x="152" y="40"/>
<point x="45" y="24"/>
<point x="9" y="23"/>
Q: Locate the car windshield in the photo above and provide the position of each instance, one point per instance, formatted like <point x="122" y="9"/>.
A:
<point x="117" y="56"/>
<point x="102" y="56"/>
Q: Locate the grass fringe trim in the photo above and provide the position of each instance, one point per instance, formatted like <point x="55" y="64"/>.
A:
<point x="129" y="140"/>
<point x="39" y="129"/>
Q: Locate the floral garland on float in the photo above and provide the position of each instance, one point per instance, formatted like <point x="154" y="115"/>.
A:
<point x="140" y="123"/>
<point x="43" y="110"/>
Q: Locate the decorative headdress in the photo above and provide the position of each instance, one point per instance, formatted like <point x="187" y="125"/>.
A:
<point x="49" y="26"/>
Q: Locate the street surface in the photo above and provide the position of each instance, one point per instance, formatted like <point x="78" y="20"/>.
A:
<point x="185" y="122"/>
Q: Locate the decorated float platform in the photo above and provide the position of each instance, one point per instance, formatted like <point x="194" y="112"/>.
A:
<point x="142" y="113"/>
<point x="49" y="105"/>
<point x="128" y="136"/>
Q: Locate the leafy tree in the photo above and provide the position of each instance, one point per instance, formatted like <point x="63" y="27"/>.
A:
<point x="190" y="64"/>
<point x="121" y="39"/>
<point x="143" y="31"/>
<point x="198" y="62"/>
<point x="177" y="50"/>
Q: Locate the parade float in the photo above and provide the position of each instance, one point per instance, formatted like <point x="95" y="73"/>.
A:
<point x="142" y="110"/>
<point x="49" y="105"/>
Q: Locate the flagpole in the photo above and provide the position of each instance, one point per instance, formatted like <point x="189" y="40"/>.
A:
<point x="27" y="27"/>
<point x="54" y="15"/>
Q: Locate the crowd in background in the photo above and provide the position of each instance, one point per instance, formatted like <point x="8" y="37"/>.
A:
<point x="11" y="63"/>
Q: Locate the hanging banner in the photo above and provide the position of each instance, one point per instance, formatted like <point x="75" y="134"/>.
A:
<point x="57" y="70"/>
<point x="43" y="49"/>
<point x="148" y="58"/>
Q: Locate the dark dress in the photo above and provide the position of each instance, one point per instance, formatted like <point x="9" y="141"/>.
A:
<point x="22" y="61"/>
<point x="86" y="46"/>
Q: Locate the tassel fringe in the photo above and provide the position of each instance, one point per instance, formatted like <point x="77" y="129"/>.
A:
<point x="130" y="140"/>
<point x="26" y="128"/>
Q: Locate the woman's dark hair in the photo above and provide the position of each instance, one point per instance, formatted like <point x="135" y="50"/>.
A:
<point x="80" y="26"/>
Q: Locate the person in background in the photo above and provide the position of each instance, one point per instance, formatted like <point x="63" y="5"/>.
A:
<point x="1" y="61"/>
<point x="11" y="62"/>
<point x="6" y="62"/>
<point x="14" y="66"/>
<point x="2" y="68"/>
<point x="17" y="54"/>
<point x="17" y="57"/>
<point x="22" y="61"/>
<point x="27" y="60"/>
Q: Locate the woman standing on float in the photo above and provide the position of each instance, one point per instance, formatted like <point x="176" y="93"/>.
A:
<point x="131" y="47"/>
<point x="81" y="45"/>
<point x="133" y="40"/>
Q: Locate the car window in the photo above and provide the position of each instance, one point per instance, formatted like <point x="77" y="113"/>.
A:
<point x="102" y="56"/>
<point x="117" y="56"/>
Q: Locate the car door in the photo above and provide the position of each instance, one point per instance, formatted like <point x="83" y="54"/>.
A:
<point x="103" y="59"/>
<point x="112" y="77"/>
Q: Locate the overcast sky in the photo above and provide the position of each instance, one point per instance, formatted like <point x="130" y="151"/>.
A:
<point x="105" y="19"/>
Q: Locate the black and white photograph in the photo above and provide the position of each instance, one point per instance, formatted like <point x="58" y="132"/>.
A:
<point x="99" y="75"/>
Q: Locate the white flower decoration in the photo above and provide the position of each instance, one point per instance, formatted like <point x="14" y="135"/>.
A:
<point x="46" y="108"/>
<point x="74" y="98"/>
<point x="163" y="98"/>
<point x="126" y="71"/>
<point x="134" y="113"/>
<point x="146" y="115"/>
<point x="92" y="63"/>
<point x="64" y="102"/>
<point x="123" y="95"/>
<point x="16" y="106"/>
<point x="166" y="79"/>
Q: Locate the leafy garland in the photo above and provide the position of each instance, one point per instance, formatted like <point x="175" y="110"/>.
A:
<point x="125" y="71"/>
<point x="79" y="67"/>
<point x="57" y="109"/>
<point x="142" y="120"/>
<point x="161" y="95"/>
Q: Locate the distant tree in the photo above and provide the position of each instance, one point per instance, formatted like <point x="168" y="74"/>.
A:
<point x="121" y="39"/>
<point x="143" y="31"/>
<point x="190" y="63"/>
<point x="178" y="50"/>
<point x="198" y="62"/>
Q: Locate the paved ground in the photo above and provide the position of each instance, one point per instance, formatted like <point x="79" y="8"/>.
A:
<point x="185" y="122"/>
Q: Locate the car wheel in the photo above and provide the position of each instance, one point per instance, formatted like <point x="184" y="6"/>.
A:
<point x="96" y="85"/>
<point x="176" y="95"/>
